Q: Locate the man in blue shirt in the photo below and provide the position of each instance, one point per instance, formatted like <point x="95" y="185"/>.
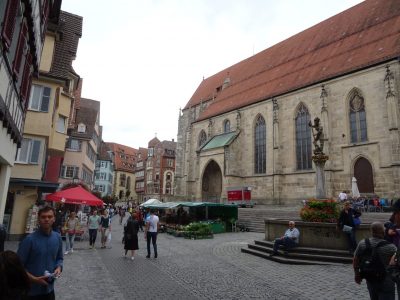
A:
<point x="289" y="240"/>
<point x="42" y="251"/>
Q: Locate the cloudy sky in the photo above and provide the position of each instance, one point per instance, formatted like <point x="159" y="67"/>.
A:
<point x="143" y="59"/>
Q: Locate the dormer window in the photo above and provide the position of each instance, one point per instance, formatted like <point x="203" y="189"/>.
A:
<point x="81" y="128"/>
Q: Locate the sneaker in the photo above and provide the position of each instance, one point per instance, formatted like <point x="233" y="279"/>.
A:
<point x="72" y="250"/>
<point x="66" y="252"/>
<point x="148" y="256"/>
<point x="132" y="258"/>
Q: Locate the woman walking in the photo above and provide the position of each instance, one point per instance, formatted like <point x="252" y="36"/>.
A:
<point x="93" y="225"/>
<point x="105" y="226"/>
<point x="130" y="235"/>
<point x="70" y="227"/>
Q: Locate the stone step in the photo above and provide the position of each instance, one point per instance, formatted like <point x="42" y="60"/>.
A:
<point x="299" y="255"/>
<point x="284" y="260"/>
<point x="306" y="256"/>
<point x="309" y="250"/>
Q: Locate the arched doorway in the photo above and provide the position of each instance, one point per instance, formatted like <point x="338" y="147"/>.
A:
<point x="212" y="183"/>
<point x="363" y="174"/>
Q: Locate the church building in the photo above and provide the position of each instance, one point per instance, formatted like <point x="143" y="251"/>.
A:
<point x="248" y="125"/>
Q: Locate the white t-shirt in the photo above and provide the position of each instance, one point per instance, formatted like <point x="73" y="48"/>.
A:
<point x="152" y="220"/>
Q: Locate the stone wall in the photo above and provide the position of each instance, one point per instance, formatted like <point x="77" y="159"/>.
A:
<point x="315" y="235"/>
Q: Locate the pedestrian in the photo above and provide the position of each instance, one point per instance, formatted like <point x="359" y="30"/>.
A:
<point x="3" y="235"/>
<point x="58" y="222"/>
<point x="70" y="227"/>
<point x="150" y="233"/>
<point x="392" y="234"/>
<point x="140" y="218"/>
<point x="14" y="281"/>
<point x="105" y="228"/>
<point x="121" y="214"/>
<point x="130" y="235"/>
<point x="289" y="240"/>
<point x="41" y="253"/>
<point x="342" y="196"/>
<point x="345" y="223"/>
<point x="93" y="225"/>
<point x="381" y="287"/>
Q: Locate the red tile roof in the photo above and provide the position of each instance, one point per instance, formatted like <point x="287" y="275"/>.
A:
<point x="124" y="157"/>
<point x="362" y="36"/>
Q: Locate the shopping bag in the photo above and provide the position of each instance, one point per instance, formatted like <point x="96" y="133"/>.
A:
<point x="347" y="228"/>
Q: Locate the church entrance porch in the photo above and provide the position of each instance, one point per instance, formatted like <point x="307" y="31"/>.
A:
<point x="212" y="183"/>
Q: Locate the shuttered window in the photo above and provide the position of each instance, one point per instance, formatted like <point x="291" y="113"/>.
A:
<point x="26" y="80"/>
<point x="9" y="22"/>
<point x="20" y="50"/>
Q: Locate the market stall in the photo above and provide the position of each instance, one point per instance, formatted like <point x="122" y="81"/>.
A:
<point x="219" y="216"/>
<point x="76" y="196"/>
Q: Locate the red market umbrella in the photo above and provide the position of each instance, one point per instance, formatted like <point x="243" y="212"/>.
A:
<point x="76" y="195"/>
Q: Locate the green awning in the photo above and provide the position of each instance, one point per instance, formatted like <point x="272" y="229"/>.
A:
<point x="220" y="140"/>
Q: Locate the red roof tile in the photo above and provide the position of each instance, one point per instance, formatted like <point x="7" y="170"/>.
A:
<point x="364" y="35"/>
<point x="124" y="157"/>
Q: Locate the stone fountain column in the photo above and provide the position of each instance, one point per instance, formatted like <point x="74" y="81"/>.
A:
<point x="319" y="161"/>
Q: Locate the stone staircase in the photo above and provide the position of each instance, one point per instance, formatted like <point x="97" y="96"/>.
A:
<point x="299" y="255"/>
<point x="253" y="218"/>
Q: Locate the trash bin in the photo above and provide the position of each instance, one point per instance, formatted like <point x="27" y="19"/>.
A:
<point x="2" y="237"/>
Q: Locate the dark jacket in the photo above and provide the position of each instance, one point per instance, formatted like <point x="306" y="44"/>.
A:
<point x="347" y="218"/>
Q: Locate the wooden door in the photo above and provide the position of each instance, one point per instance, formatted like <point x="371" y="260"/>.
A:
<point x="363" y="174"/>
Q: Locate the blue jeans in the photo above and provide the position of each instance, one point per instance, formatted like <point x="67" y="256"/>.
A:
<point x="287" y="242"/>
<point x="69" y="241"/>
<point x="351" y="240"/>
<point x="153" y="237"/>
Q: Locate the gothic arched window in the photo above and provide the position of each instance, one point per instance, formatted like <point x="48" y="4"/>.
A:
<point x="357" y="117"/>
<point x="227" y="126"/>
<point x="202" y="138"/>
<point x="260" y="146"/>
<point x="303" y="139"/>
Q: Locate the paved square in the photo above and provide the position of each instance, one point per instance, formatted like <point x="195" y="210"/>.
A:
<point x="196" y="269"/>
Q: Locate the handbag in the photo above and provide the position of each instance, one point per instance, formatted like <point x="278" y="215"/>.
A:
<point x="357" y="221"/>
<point x="347" y="228"/>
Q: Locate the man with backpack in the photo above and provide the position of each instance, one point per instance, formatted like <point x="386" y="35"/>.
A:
<point x="370" y="262"/>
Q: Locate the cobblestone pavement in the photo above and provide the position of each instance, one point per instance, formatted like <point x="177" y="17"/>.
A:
<point x="196" y="269"/>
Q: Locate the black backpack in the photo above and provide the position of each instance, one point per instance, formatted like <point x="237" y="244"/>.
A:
<point x="371" y="266"/>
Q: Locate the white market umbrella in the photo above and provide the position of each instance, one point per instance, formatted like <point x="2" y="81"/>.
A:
<point x="354" y="188"/>
<point x="151" y="201"/>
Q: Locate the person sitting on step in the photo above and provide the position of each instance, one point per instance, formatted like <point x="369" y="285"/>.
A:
<point x="289" y="240"/>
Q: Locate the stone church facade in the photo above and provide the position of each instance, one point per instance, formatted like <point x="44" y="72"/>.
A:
<point x="248" y="124"/>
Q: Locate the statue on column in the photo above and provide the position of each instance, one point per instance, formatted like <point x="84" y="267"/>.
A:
<point x="318" y="136"/>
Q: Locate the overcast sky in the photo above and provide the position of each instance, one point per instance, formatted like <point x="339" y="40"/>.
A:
<point x="144" y="59"/>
